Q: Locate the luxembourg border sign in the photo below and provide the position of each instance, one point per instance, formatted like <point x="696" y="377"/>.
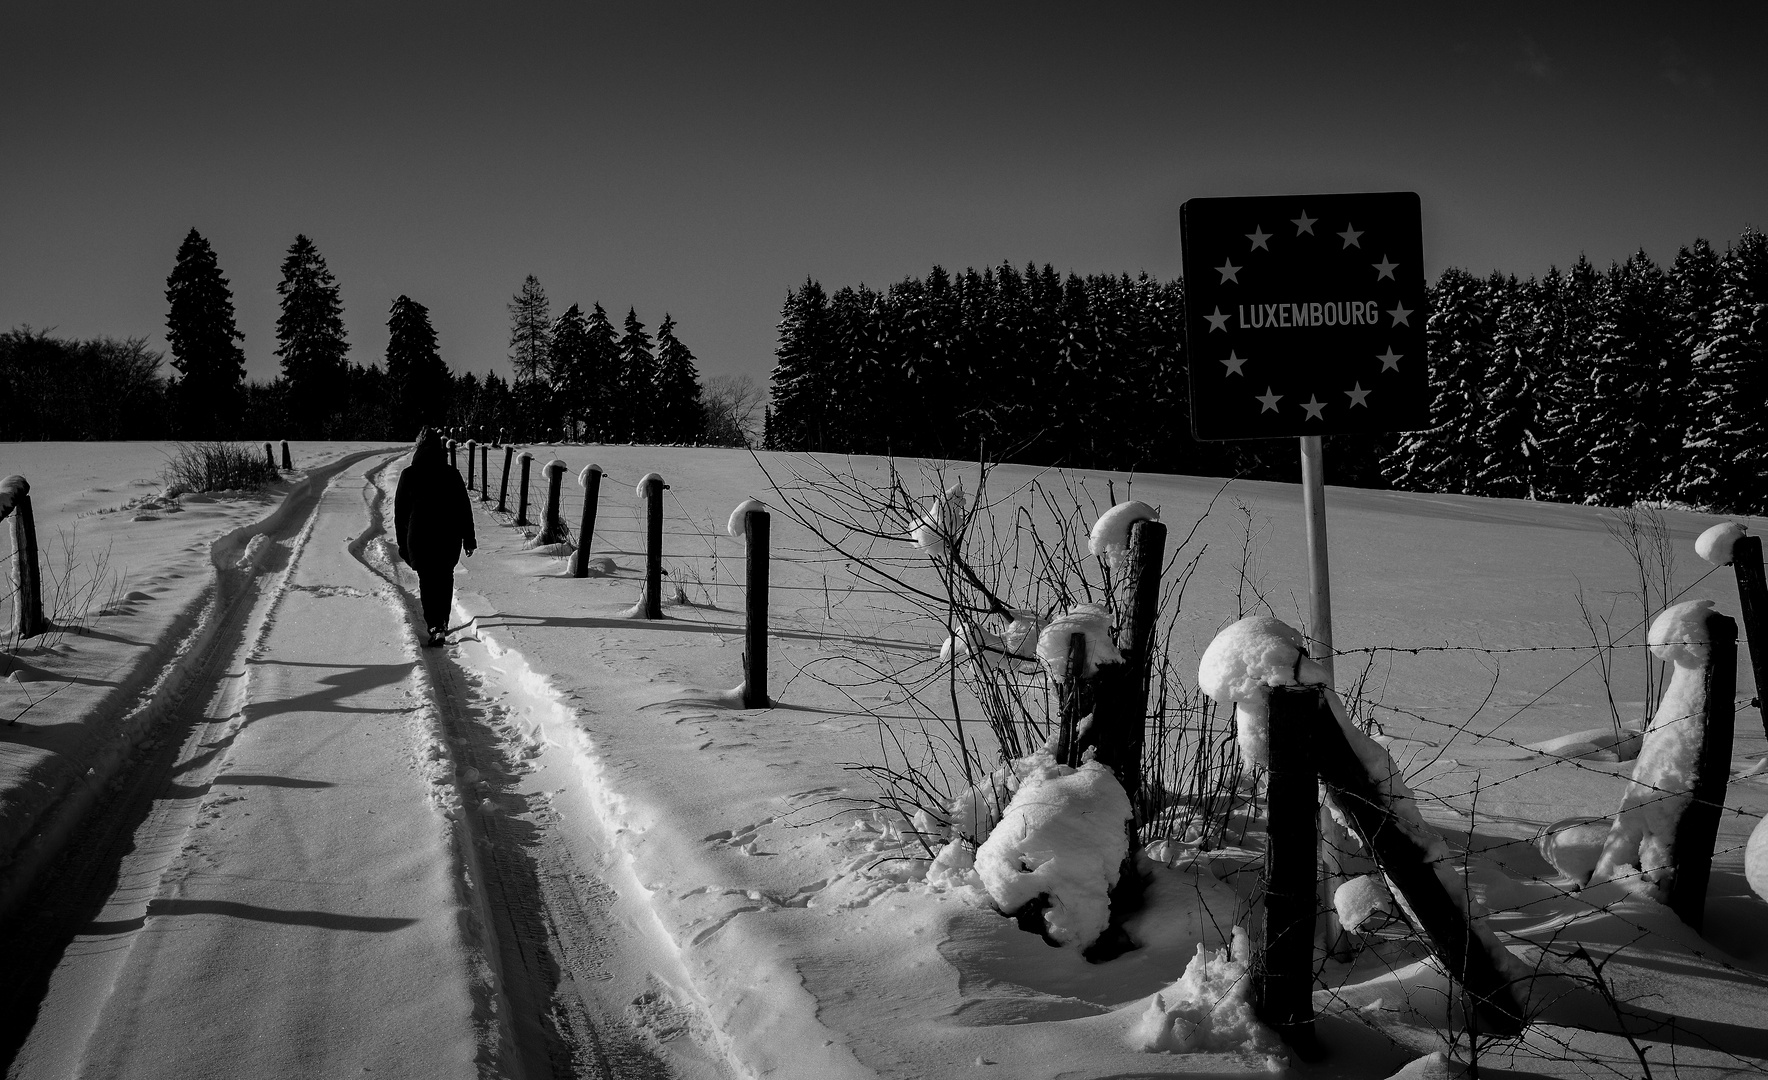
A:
<point x="1305" y="314"/>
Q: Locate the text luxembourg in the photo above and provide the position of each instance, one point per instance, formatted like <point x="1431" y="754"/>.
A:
<point x="1317" y="313"/>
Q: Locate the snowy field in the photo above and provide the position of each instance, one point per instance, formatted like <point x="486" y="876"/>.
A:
<point x="795" y="931"/>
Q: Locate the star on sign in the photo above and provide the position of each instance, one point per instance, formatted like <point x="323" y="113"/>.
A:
<point x="1228" y="271"/>
<point x="1350" y="234"/>
<point x="1269" y="399"/>
<point x="1218" y="321"/>
<point x="1234" y="363"/>
<point x="1304" y="224"/>
<point x="1358" y="395"/>
<point x="1385" y="269"/>
<point x="1315" y="408"/>
<point x="1258" y="236"/>
<point x="1390" y="360"/>
<point x="1400" y="313"/>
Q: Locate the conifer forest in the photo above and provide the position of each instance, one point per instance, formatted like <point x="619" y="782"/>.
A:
<point x="1608" y="386"/>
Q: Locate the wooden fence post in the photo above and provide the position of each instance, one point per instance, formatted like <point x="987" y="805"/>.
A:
<point x="552" y="527"/>
<point x="1120" y="715"/>
<point x="484" y="471"/>
<point x="590" y="479"/>
<point x="472" y="462"/>
<point x="1408" y="868"/>
<point x="453" y="455"/>
<point x="15" y="499"/>
<point x="269" y="458"/>
<point x="755" y="526"/>
<point x="503" y="487"/>
<point x="522" y="502"/>
<point x="1698" y="826"/>
<point x="1752" y="596"/>
<point x="1069" y="701"/>
<point x="287" y="462"/>
<point x="653" y="486"/>
<point x="1283" y="991"/>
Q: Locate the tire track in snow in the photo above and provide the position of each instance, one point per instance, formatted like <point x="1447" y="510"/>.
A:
<point x="546" y="925"/>
<point x="120" y="844"/>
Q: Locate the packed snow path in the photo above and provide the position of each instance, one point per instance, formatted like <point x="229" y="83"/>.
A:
<point x="301" y="893"/>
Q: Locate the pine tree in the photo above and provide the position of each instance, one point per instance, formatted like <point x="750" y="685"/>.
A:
<point x="529" y="326"/>
<point x="1628" y="350"/>
<point x="201" y="331"/>
<point x="310" y="336"/>
<point x="1458" y="342"/>
<point x="1568" y="304"/>
<point x="681" y="418"/>
<point x="1509" y="443"/>
<point x="421" y="382"/>
<point x="638" y="369"/>
<point x="603" y="398"/>
<point x="797" y="390"/>
<point x="570" y="368"/>
<point x="1696" y="292"/>
<point x="1727" y="441"/>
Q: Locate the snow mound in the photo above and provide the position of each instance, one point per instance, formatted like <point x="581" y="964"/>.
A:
<point x="583" y="474"/>
<point x="1208" y="1009"/>
<point x="1573" y="845"/>
<point x="599" y="566"/>
<point x="1679" y="633"/>
<point x="1110" y="537"/>
<point x="1062" y="837"/>
<point x="639" y="490"/>
<point x="1090" y="621"/>
<point x="1715" y="544"/>
<point x="935" y="531"/>
<point x="977" y="643"/>
<point x="1433" y="1066"/>
<point x="738" y="526"/>
<point x="1755" y="859"/>
<point x="1022" y="633"/>
<point x="1361" y="899"/>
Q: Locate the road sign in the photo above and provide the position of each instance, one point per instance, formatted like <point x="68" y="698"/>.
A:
<point x="1305" y="315"/>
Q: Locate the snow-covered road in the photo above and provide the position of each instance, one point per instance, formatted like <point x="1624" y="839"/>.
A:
<point x="298" y="890"/>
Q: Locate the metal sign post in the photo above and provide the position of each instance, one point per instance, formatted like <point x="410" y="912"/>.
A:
<point x="1305" y="318"/>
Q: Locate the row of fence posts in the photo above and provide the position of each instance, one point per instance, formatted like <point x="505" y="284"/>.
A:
<point x="270" y="458"/>
<point x="1309" y="751"/>
<point x="553" y="531"/>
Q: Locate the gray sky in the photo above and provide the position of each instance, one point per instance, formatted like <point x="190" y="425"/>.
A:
<point x="706" y="158"/>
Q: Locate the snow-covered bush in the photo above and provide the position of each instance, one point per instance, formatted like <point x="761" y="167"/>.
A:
<point x="216" y="466"/>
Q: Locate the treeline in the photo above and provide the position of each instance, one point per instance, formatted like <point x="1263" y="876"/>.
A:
<point x="1591" y="386"/>
<point x="1602" y="387"/>
<point x="576" y="377"/>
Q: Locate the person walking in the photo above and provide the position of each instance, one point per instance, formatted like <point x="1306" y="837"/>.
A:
<point x="433" y="523"/>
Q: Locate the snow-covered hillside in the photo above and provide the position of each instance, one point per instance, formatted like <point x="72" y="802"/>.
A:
<point x="800" y="935"/>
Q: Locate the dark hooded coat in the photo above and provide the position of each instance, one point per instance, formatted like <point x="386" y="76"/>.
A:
<point x="432" y="516"/>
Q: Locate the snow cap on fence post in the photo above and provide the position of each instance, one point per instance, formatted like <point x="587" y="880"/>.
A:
<point x="1092" y="622"/>
<point x="10" y="489"/>
<point x="1679" y="633"/>
<point x="1242" y="664"/>
<point x="1110" y="538"/>
<point x="1714" y="545"/>
<point x="583" y="474"/>
<point x="639" y="489"/>
<point x="738" y="526"/>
